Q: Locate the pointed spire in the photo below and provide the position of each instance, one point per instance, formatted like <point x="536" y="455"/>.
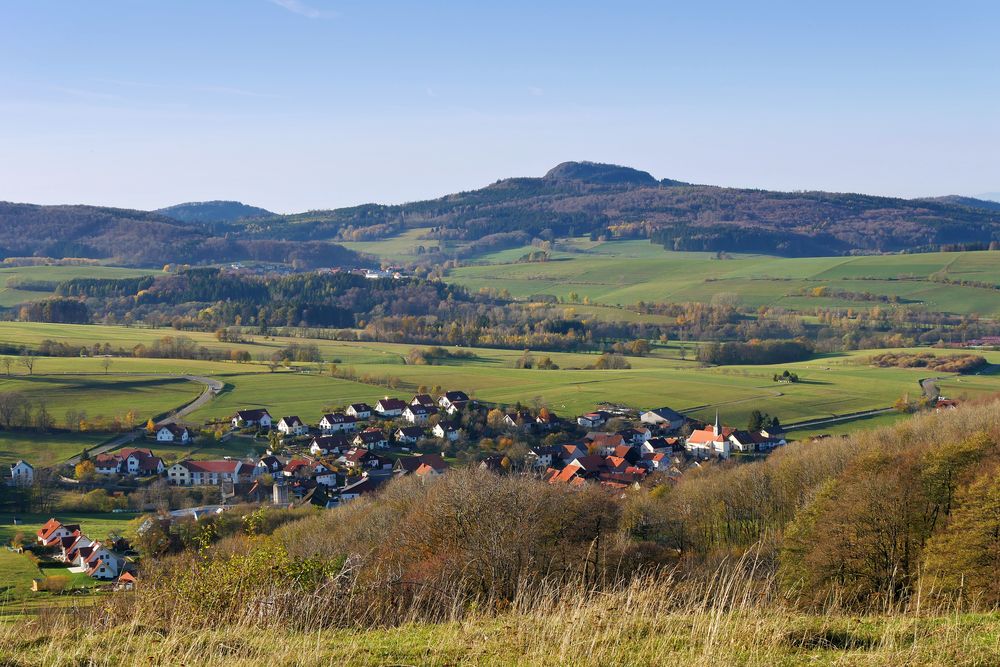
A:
<point x="718" y="429"/>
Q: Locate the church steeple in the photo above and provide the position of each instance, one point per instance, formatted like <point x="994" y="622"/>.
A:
<point x="717" y="428"/>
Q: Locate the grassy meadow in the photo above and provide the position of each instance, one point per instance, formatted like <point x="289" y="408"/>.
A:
<point x="12" y="276"/>
<point x="626" y="272"/>
<point x="830" y="386"/>
<point x="45" y="449"/>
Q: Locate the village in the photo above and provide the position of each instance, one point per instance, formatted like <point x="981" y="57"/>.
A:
<point x="352" y="452"/>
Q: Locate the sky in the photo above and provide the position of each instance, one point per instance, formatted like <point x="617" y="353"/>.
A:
<point x="307" y="104"/>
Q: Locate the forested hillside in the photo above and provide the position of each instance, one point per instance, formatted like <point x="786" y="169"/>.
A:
<point x="140" y="238"/>
<point x="572" y="199"/>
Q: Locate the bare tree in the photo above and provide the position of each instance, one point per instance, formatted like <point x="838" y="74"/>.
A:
<point x="8" y="364"/>
<point x="106" y="364"/>
<point x="28" y="361"/>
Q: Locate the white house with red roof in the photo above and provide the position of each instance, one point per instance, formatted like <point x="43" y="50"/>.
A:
<point x="202" y="473"/>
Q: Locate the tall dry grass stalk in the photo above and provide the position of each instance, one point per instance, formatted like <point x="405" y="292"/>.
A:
<point x="731" y="616"/>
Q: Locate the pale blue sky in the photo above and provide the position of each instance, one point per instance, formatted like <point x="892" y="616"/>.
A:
<point x="300" y="104"/>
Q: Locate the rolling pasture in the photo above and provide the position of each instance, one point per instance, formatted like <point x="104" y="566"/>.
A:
<point x="831" y="385"/>
<point x="617" y="273"/>
<point x="12" y="278"/>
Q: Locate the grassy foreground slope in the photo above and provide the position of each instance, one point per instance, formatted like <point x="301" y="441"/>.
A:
<point x="604" y="635"/>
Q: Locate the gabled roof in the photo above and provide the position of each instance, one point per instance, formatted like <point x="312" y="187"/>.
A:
<point x="363" y="485"/>
<point x="252" y="415"/>
<point x="421" y="409"/>
<point x="21" y="462"/>
<point x="339" y="418"/>
<point x="422" y="399"/>
<point x="292" y="420"/>
<point x="370" y="437"/>
<point x="667" y="414"/>
<point x="331" y="441"/>
<point x="456" y="396"/>
<point x="387" y="404"/>
<point x="591" y="463"/>
<point x="175" y="430"/>
<point x="411" y="431"/>
<point x="361" y="407"/>
<point x="49" y="527"/>
<point x="412" y="463"/>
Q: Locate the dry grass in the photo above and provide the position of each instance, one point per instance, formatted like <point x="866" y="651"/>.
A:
<point x="729" y="619"/>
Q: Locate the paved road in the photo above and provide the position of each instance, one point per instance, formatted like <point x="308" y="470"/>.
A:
<point x="212" y="388"/>
<point x="833" y="420"/>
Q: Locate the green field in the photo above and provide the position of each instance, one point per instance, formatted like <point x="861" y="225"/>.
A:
<point x="617" y="273"/>
<point x="100" y="396"/>
<point x="45" y="449"/>
<point x="11" y="276"/>
<point x="831" y="385"/>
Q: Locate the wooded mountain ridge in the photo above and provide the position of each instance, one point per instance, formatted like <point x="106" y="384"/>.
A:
<point x="572" y="199"/>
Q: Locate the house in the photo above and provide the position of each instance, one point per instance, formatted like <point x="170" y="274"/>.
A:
<point x="636" y="436"/>
<point x="247" y="418"/>
<point x="603" y="444"/>
<point x="201" y="473"/>
<point x="418" y="414"/>
<point x="406" y="465"/>
<point x="569" y="453"/>
<point x="300" y="468"/>
<point x="54" y="530"/>
<point x="424" y="400"/>
<point x="390" y="407"/>
<point x="570" y="475"/>
<point x="140" y="462"/>
<point x="943" y="403"/>
<point x="542" y="457"/>
<point x="359" y="410"/>
<point x="662" y="446"/>
<point x="546" y="420"/>
<point x="371" y="438"/>
<point x="754" y="441"/>
<point x="173" y="433"/>
<point x="329" y="444"/>
<point x="292" y="426"/>
<point x="71" y="545"/>
<point x="361" y="458"/>
<point x="409" y="435"/>
<point x="665" y="418"/>
<point x="269" y="464"/>
<point x="630" y="453"/>
<point x="589" y="466"/>
<point x="710" y="441"/>
<point x="103" y="569"/>
<point x="22" y="473"/>
<point x="446" y="431"/>
<point x="519" y="418"/>
<point x="453" y="401"/>
<point x="593" y="419"/>
<point x="659" y="462"/>
<point x="337" y="422"/>
<point x="365" y="485"/>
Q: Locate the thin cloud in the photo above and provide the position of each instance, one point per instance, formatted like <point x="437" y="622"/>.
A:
<point x="535" y="91"/>
<point x="302" y="9"/>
